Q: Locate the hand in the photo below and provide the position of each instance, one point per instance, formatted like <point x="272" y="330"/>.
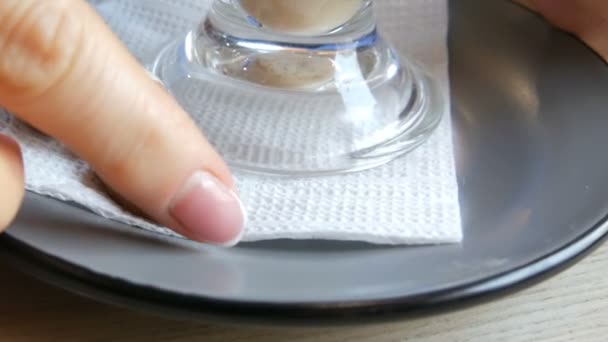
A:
<point x="63" y="72"/>
<point x="588" y="19"/>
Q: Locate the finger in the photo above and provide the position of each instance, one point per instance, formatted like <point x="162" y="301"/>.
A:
<point x="11" y="181"/>
<point x="64" y="72"/>
<point x="587" y="19"/>
<point x="566" y="14"/>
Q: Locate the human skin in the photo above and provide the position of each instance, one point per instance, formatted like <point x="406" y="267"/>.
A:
<point x="64" y="72"/>
<point x="587" y="19"/>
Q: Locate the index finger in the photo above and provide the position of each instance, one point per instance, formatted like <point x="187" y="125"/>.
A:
<point x="64" y="72"/>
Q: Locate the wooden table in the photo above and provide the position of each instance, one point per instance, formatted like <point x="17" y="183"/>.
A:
<point x="572" y="306"/>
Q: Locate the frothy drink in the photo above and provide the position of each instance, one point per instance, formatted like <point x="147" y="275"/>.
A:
<point x="302" y="17"/>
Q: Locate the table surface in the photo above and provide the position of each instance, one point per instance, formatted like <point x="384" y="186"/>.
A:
<point x="572" y="306"/>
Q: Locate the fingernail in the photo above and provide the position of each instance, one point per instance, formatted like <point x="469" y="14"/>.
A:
<point x="208" y="211"/>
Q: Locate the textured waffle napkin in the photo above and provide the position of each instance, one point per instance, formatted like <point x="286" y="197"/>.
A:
<point x="413" y="200"/>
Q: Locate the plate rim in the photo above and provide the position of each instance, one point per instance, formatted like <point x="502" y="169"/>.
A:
<point x="161" y="302"/>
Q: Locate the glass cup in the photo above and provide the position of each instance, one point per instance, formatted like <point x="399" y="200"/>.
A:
<point x="294" y="87"/>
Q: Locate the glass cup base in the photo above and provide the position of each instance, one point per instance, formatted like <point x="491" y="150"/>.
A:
<point x="300" y="108"/>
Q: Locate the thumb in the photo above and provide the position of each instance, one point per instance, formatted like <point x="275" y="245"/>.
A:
<point x="587" y="19"/>
<point x="564" y="13"/>
<point x="63" y="71"/>
<point x="11" y="181"/>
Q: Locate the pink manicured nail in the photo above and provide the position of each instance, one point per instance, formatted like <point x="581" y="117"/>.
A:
<point x="208" y="211"/>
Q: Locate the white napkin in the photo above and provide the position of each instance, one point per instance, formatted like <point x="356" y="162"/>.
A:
<point x="413" y="200"/>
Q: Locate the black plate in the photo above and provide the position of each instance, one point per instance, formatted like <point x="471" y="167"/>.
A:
<point x="530" y="123"/>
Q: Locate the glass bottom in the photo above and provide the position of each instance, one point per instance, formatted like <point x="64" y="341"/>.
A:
<point x="294" y="111"/>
